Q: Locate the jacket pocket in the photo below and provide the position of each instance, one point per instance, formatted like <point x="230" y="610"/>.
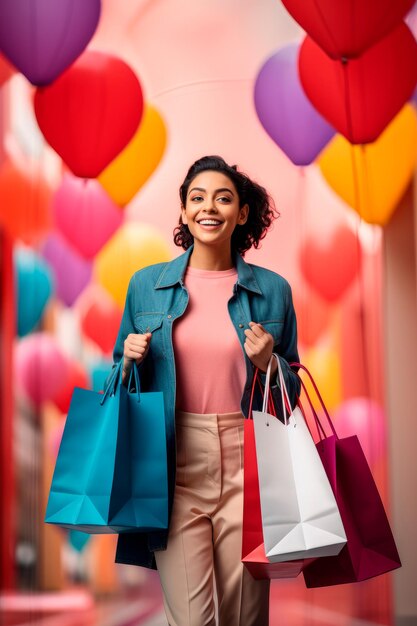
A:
<point x="148" y="322"/>
<point x="274" y="327"/>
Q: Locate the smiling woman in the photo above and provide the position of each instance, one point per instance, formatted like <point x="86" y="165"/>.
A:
<point x="198" y="327"/>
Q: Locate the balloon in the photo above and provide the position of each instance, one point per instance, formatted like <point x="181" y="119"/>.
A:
<point x="24" y="202"/>
<point x="348" y="28"/>
<point x="313" y="314"/>
<point x="133" y="247"/>
<point x="78" y="540"/>
<point x="43" y="37"/>
<point x="361" y="97"/>
<point x="6" y="70"/>
<point x="284" y="110"/>
<point x="85" y="214"/>
<point x="72" y="272"/>
<point x="365" y="418"/>
<point x="382" y="170"/>
<point x="324" y="364"/>
<point x="76" y="377"/>
<point x="100" y="317"/>
<point x="98" y="374"/>
<point x="90" y="112"/>
<point x="330" y="265"/>
<point x="34" y="286"/>
<point x="41" y="367"/>
<point x="129" y="171"/>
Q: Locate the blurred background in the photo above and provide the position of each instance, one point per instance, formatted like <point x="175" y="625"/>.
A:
<point x="103" y="107"/>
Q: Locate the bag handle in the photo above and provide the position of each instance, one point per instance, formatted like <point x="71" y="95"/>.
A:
<point x="316" y="417"/>
<point x="117" y="377"/>
<point x="270" y="404"/>
<point x="286" y="404"/>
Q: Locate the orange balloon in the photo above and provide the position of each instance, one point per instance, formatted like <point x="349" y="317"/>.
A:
<point x="24" y="203"/>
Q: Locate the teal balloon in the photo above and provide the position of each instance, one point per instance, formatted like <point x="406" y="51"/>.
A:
<point x="34" y="287"/>
<point x="78" y="540"/>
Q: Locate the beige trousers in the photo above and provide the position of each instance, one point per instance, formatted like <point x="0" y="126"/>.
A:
<point x="205" y="534"/>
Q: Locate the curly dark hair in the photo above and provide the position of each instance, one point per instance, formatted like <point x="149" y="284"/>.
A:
<point x="262" y="209"/>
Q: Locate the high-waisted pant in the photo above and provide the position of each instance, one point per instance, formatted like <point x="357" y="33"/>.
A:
<point x="205" y="534"/>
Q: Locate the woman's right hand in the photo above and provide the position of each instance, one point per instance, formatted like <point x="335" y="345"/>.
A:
<point x="136" y="348"/>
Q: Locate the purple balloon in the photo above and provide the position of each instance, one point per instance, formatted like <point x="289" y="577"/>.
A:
<point x="43" y="37"/>
<point x="284" y="110"/>
<point x="72" y="272"/>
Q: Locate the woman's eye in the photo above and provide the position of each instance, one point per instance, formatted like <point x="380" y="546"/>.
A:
<point x="224" y="198"/>
<point x="196" y="198"/>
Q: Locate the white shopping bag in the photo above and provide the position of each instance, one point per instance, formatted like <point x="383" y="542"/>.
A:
<point x="300" y="517"/>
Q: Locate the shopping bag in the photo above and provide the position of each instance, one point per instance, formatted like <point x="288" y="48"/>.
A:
<point x="370" y="549"/>
<point x="300" y="517"/>
<point x="111" y="471"/>
<point x="253" y="550"/>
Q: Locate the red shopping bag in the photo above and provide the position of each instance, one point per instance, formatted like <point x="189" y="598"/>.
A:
<point x="253" y="551"/>
<point x="370" y="549"/>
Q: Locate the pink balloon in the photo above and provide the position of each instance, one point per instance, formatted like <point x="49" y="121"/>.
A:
<point x="85" y="214"/>
<point x="41" y="367"/>
<point x="365" y="418"/>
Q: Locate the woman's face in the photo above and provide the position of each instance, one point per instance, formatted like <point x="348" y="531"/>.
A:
<point x="211" y="209"/>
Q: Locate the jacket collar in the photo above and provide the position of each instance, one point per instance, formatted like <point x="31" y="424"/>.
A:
<point x="174" y="271"/>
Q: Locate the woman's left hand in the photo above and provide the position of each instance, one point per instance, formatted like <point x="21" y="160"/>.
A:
<point x="259" y="346"/>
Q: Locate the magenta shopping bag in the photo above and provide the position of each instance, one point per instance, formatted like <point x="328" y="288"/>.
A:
<point x="370" y="549"/>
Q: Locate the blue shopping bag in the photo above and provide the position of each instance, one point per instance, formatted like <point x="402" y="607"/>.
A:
<point x="111" y="471"/>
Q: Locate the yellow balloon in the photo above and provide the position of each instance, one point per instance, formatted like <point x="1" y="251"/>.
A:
<point x="382" y="170"/>
<point x="132" y="247"/>
<point x="129" y="171"/>
<point x="324" y="365"/>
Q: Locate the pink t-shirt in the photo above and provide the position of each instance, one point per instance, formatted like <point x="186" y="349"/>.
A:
<point x="209" y="360"/>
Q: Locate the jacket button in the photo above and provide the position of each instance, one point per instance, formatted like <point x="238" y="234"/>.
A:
<point x="240" y="325"/>
<point x="169" y="317"/>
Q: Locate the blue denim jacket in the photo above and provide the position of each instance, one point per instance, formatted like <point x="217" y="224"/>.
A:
<point x="156" y="297"/>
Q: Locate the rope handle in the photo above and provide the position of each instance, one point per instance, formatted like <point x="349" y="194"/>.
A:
<point x="316" y="417"/>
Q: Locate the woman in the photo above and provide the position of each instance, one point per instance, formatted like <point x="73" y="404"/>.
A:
<point x="229" y="317"/>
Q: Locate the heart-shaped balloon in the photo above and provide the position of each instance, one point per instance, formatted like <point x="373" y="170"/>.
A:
<point x="85" y="214"/>
<point x="43" y="37"/>
<point x="90" y="112"/>
<point x="285" y="112"/>
<point x="348" y="28"/>
<point x="330" y="265"/>
<point x="360" y="98"/>
<point x="34" y="286"/>
<point x="373" y="178"/>
<point x="72" y="272"/>
<point x="100" y="317"/>
<point x="130" y="170"/>
<point x="313" y="314"/>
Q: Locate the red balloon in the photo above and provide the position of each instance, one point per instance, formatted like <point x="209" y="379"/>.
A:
<point x="6" y="70"/>
<point x="76" y="377"/>
<point x="348" y="28"/>
<point x="330" y="265"/>
<point x="313" y="314"/>
<point x="360" y="97"/>
<point x="90" y="113"/>
<point x="100" y="318"/>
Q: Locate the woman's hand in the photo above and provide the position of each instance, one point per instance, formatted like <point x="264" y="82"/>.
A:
<point x="259" y="346"/>
<point x="136" y="348"/>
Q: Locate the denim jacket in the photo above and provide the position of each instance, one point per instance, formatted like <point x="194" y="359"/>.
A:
<point x="156" y="297"/>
